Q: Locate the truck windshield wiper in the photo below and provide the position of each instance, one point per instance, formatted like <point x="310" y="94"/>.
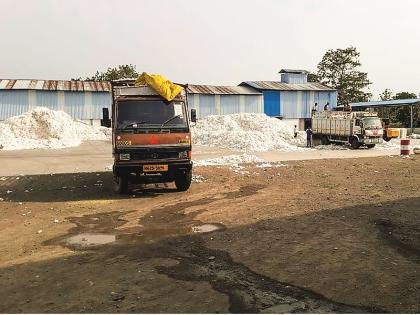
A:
<point x="132" y="124"/>
<point x="170" y="119"/>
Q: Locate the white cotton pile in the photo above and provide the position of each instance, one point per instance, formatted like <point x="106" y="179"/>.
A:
<point x="229" y="160"/>
<point x="390" y="145"/>
<point x="45" y="128"/>
<point x="246" y="132"/>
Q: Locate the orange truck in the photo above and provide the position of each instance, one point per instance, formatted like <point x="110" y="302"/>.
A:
<point x="151" y="138"/>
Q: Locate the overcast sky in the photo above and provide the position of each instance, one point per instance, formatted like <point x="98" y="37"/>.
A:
<point x="221" y="42"/>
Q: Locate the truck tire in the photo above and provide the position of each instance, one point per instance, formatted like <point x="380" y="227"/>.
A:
<point x="183" y="180"/>
<point x="387" y="139"/>
<point x="370" y="146"/>
<point x="325" y="140"/>
<point x="354" y="143"/>
<point x="121" y="184"/>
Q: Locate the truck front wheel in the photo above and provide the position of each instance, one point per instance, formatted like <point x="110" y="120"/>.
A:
<point x="183" y="180"/>
<point x="121" y="184"/>
<point x="355" y="143"/>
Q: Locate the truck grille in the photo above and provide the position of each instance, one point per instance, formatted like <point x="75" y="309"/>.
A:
<point x="154" y="155"/>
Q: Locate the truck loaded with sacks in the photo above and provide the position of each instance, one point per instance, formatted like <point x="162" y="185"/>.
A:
<point x="151" y="138"/>
<point x="354" y="128"/>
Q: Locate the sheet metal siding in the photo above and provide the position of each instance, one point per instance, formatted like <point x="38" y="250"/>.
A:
<point x="100" y="100"/>
<point x="289" y="104"/>
<point x="79" y="105"/>
<point x="280" y="86"/>
<point x="207" y="105"/>
<point x="294" y="78"/>
<point x="47" y="99"/>
<point x="52" y="85"/>
<point x="272" y="103"/>
<point x="221" y="90"/>
<point x="252" y="104"/>
<point x="13" y="103"/>
<point x="74" y="104"/>
<point x="229" y="104"/>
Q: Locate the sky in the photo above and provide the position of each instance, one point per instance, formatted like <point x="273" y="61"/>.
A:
<point x="218" y="42"/>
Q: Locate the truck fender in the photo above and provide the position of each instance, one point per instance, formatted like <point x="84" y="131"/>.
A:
<point x="352" y="137"/>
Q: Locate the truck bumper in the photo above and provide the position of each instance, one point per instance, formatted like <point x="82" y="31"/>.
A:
<point x="372" y="140"/>
<point x="135" y="171"/>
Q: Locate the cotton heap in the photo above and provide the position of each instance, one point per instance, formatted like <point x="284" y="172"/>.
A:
<point x="43" y="128"/>
<point x="247" y="133"/>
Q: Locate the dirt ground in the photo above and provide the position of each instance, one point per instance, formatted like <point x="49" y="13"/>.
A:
<point x="341" y="235"/>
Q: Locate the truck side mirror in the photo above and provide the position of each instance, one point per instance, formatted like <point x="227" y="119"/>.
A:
<point x="105" y="121"/>
<point x="193" y="115"/>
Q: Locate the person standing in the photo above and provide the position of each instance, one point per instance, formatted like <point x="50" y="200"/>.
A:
<point x="295" y="132"/>
<point x="309" y="137"/>
<point x="315" y="108"/>
<point x="327" y="107"/>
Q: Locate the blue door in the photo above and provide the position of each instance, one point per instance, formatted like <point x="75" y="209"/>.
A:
<point x="272" y="103"/>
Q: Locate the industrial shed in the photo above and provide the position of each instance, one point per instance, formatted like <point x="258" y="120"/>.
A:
<point x="82" y="100"/>
<point x="293" y="97"/>
<point x="222" y="100"/>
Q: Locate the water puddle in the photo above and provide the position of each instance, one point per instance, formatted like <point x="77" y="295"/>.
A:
<point x="85" y="240"/>
<point x="206" y="228"/>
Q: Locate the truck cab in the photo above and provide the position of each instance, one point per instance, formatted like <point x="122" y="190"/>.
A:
<point x="151" y="138"/>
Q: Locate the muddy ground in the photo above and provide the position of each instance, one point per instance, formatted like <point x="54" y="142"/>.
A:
<point x="308" y="236"/>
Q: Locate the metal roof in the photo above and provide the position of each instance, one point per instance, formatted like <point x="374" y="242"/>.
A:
<point x="280" y="86"/>
<point x="412" y="101"/>
<point x="55" y="85"/>
<point x="293" y="71"/>
<point x="221" y="90"/>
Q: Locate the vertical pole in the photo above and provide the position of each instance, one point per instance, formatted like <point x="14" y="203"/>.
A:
<point x="411" y="119"/>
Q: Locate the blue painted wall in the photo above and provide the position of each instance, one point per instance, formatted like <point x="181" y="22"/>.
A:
<point x="272" y="103"/>
<point x="296" y="104"/>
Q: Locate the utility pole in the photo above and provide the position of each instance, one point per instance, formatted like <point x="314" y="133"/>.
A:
<point x="411" y="119"/>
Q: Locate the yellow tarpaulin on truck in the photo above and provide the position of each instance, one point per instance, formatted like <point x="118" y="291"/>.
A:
<point x="160" y="84"/>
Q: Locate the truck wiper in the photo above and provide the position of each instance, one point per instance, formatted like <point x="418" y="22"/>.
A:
<point x="170" y="119"/>
<point x="132" y="124"/>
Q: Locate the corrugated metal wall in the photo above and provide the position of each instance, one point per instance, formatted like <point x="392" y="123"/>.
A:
<point x="13" y="103"/>
<point x="206" y="105"/>
<point x="294" y="78"/>
<point x="272" y="103"/>
<point x="252" y="104"/>
<point x="79" y="105"/>
<point x="47" y="99"/>
<point x="296" y="104"/>
<point x="213" y="104"/>
<point x="229" y="104"/>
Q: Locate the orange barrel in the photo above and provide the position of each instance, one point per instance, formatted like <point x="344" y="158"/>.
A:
<point x="405" y="147"/>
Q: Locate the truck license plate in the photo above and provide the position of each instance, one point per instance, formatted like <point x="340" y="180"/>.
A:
<point x="155" y="168"/>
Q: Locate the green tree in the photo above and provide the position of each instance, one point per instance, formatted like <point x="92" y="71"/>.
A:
<point x="404" y="96"/>
<point x="386" y="95"/>
<point x="387" y="112"/>
<point x="340" y="69"/>
<point x="116" y="73"/>
<point x="313" y="77"/>
<point x="403" y="113"/>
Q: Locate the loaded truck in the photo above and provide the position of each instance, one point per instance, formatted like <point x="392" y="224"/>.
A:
<point x="355" y="128"/>
<point x="151" y="138"/>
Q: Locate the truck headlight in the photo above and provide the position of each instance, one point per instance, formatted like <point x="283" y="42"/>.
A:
<point x="125" y="156"/>
<point x="183" y="155"/>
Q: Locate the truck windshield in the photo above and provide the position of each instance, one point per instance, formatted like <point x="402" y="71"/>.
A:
<point x="144" y="113"/>
<point x="372" y="123"/>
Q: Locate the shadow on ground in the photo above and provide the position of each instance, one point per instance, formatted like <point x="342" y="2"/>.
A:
<point x="348" y="260"/>
<point x="73" y="187"/>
